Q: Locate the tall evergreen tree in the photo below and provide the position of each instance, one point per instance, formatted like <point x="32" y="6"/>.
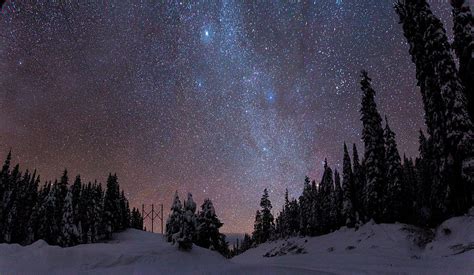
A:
<point x="325" y="195"/>
<point x="306" y="206"/>
<point x="395" y="200"/>
<point x="69" y="233"/>
<point x="257" y="229"/>
<point x="337" y="201"/>
<point x="347" y="190"/>
<point x="452" y="136"/>
<point x="267" y="217"/>
<point x="463" y="46"/>
<point x="136" y="219"/>
<point x="188" y="224"/>
<point x="207" y="230"/>
<point x="359" y="186"/>
<point x="173" y="223"/>
<point x="48" y="225"/>
<point x="374" y="155"/>
<point x="111" y="217"/>
<point x="4" y="180"/>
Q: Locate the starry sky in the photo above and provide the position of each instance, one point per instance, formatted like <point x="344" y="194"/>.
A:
<point x="218" y="98"/>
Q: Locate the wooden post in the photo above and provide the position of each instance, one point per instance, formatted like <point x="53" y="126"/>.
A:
<point x="161" y="219"/>
<point x="152" y="217"/>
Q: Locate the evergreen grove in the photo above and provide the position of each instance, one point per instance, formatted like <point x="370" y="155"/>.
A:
<point x="61" y="213"/>
<point x="185" y="227"/>
<point x="423" y="191"/>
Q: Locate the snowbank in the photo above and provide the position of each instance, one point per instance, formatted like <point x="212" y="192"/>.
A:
<point x="376" y="249"/>
<point x="373" y="249"/>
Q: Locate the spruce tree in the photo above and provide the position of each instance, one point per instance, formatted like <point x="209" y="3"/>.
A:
<point x="374" y="154"/>
<point x="173" y="223"/>
<point x="325" y="195"/>
<point x="450" y="128"/>
<point x="347" y="190"/>
<point x="207" y="230"/>
<point x="257" y="228"/>
<point x="395" y="195"/>
<point x="69" y="233"/>
<point x="267" y="217"/>
<point x="359" y="186"/>
<point x="4" y="179"/>
<point x="48" y="224"/>
<point x="136" y="220"/>
<point x="305" y="208"/>
<point x="188" y="224"/>
<point x="337" y="201"/>
<point x="111" y="217"/>
<point x="463" y="46"/>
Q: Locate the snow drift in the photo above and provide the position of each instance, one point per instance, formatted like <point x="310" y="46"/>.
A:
<point x="372" y="249"/>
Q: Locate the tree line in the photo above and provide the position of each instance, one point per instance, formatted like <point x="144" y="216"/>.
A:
<point x="436" y="185"/>
<point x="61" y="213"/>
<point x="185" y="227"/>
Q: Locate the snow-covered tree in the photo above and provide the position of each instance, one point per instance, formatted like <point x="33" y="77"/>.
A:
<point x="173" y="223"/>
<point x="69" y="233"/>
<point x="207" y="231"/>
<point x="48" y="225"/>
<point x="463" y="46"/>
<point x="374" y="154"/>
<point x="188" y="224"/>
<point x="395" y="201"/>
<point x="449" y="125"/>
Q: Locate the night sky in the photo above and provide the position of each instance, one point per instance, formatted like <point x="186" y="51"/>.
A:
<point x="221" y="99"/>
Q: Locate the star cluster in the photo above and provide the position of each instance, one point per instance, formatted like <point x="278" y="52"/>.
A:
<point x="218" y="98"/>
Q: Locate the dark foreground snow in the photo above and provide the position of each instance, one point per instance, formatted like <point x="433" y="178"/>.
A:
<point x="373" y="249"/>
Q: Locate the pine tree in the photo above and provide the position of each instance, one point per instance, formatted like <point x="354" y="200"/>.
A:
<point x="348" y="190"/>
<point x="463" y="46"/>
<point x="69" y="233"/>
<point x="188" y="224"/>
<point x="267" y="217"/>
<point x="306" y="208"/>
<point x="173" y="223"/>
<point x="111" y="217"/>
<point x="257" y="228"/>
<point x="136" y="219"/>
<point x="48" y="224"/>
<point x="246" y="243"/>
<point x="359" y="186"/>
<point x="325" y="195"/>
<point x="395" y="200"/>
<point x="374" y="155"/>
<point x="449" y="125"/>
<point x="4" y="179"/>
<point x="337" y="201"/>
<point x="207" y="231"/>
<point x="124" y="212"/>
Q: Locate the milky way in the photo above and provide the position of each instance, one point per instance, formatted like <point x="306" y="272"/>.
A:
<point x="221" y="99"/>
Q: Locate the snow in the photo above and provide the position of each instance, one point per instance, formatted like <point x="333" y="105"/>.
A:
<point x="372" y="249"/>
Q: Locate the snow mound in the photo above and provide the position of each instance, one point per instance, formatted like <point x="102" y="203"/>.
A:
<point x="131" y="252"/>
<point x="377" y="248"/>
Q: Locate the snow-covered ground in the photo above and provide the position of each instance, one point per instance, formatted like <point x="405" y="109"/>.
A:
<point x="373" y="249"/>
